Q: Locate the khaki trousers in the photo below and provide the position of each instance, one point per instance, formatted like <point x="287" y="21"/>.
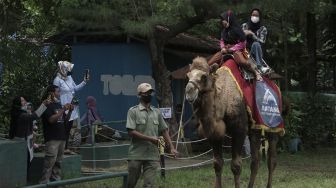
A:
<point x="52" y="162"/>
<point x="149" y="169"/>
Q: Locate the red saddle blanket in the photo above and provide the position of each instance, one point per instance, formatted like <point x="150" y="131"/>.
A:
<point x="262" y="115"/>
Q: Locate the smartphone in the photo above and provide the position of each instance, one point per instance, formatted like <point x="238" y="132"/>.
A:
<point x="87" y="72"/>
<point x="50" y="98"/>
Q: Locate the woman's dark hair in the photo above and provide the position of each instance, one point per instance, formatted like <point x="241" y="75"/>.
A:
<point x="230" y="18"/>
<point x="50" y="89"/>
<point x="15" y="113"/>
<point x="234" y="32"/>
<point x="256" y="9"/>
<point x="254" y="26"/>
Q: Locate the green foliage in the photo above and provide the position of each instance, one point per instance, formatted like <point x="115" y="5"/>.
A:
<point x="312" y="118"/>
<point x="29" y="65"/>
<point x="294" y="121"/>
<point x="28" y="69"/>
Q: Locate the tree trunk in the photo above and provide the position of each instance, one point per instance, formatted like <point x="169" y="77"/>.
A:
<point x="311" y="44"/>
<point x="162" y="79"/>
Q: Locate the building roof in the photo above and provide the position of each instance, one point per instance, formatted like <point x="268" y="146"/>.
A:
<point x="181" y="42"/>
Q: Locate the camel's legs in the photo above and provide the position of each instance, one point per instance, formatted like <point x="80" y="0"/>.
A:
<point x="237" y="148"/>
<point x="218" y="162"/>
<point x="255" y="141"/>
<point x="273" y="139"/>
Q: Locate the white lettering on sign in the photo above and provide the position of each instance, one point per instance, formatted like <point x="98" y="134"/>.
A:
<point x="125" y="84"/>
<point x="166" y="112"/>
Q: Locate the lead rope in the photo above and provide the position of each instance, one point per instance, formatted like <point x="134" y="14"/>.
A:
<point x="180" y="129"/>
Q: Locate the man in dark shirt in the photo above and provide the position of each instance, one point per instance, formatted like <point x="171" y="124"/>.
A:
<point x="54" y="121"/>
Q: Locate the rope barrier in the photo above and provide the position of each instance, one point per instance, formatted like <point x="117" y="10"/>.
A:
<point x="114" y="129"/>
<point x="171" y="168"/>
<point x="105" y="160"/>
<point x="107" y="122"/>
<point x="188" y="166"/>
<point x="107" y="137"/>
<point x="193" y="157"/>
<point x="188" y="142"/>
<point x="119" y="145"/>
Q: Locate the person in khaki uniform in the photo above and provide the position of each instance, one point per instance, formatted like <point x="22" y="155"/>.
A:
<point x="145" y="124"/>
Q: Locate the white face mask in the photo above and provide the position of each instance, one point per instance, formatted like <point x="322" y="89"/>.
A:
<point x="24" y="108"/>
<point x="255" y="19"/>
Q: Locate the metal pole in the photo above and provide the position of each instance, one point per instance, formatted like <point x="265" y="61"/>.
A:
<point x="93" y="131"/>
<point x="83" y="179"/>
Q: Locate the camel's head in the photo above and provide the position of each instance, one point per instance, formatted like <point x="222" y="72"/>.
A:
<point x="198" y="78"/>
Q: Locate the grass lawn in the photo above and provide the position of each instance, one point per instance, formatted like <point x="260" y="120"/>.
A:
<point x="307" y="169"/>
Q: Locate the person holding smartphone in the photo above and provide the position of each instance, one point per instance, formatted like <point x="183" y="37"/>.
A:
<point x="54" y="121"/>
<point x="22" y="122"/>
<point x="68" y="87"/>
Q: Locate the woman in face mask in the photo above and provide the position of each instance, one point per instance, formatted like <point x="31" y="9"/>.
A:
<point x="68" y="87"/>
<point x="256" y="36"/>
<point x="22" y="121"/>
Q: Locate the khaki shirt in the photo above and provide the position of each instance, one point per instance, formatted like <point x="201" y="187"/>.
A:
<point x="148" y="122"/>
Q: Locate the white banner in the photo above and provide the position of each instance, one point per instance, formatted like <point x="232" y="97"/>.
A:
<point x="166" y="112"/>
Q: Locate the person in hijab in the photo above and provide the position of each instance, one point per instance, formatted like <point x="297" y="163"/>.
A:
<point x="256" y="34"/>
<point x="233" y="40"/>
<point x="68" y="87"/>
<point x="22" y="122"/>
<point x="91" y="116"/>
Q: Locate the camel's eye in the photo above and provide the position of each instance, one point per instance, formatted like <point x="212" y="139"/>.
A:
<point x="188" y="75"/>
<point x="204" y="78"/>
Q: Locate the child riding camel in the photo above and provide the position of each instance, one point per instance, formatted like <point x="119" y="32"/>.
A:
<point x="233" y="44"/>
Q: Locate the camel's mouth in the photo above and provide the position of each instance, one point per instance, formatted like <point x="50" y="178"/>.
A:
<point x="191" y="92"/>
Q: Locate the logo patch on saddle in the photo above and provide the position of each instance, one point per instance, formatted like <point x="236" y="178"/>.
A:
<point x="267" y="102"/>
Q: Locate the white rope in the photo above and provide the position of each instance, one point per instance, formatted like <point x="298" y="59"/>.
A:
<point x="185" y="123"/>
<point x="188" y="142"/>
<point x="180" y="124"/>
<point x="104" y="160"/>
<point x="188" y="166"/>
<point x="193" y="157"/>
<point x="228" y="136"/>
<point x="114" y="129"/>
<point x="107" y="137"/>
<point x="169" y="168"/>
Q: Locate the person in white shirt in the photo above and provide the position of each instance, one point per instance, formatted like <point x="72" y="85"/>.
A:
<point x="68" y="87"/>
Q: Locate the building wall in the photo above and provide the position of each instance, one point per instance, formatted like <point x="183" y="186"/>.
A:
<point x="116" y="69"/>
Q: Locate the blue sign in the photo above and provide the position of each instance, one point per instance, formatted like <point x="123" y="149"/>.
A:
<point x="268" y="104"/>
<point x="116" y="69"/>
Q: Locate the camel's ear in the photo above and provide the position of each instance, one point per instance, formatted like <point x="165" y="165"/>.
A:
<point x="213" y="68"/>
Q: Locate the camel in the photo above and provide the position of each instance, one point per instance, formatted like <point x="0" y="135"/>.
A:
<point x="221" y="110"/>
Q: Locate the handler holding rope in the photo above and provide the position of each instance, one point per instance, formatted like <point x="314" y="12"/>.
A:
<point x="145" y="124"/>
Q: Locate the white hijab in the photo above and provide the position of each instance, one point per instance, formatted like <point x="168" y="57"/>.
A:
<point x="63" y="68"/>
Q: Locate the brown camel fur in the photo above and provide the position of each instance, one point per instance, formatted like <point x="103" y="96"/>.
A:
<point x="221" y="110"/>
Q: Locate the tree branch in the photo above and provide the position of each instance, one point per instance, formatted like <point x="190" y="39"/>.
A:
<point x="205" y="10"/>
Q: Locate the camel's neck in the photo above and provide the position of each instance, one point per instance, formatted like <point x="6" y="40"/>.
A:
<point x="205" y="102"/>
